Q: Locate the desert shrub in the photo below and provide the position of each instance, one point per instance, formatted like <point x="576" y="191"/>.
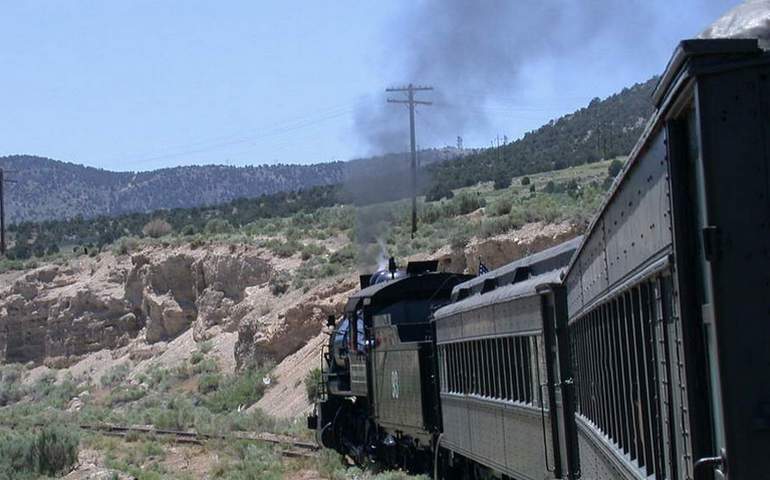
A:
<point x="115" y="375"/>
<point x="11" y="390"/>
<point x="467" y="202"/>
<point x="312" y="381"/>
<point x="550" y="187"/>
<point x="125" y="394"/>
<point x="344" y="256"/>
<point x="525" y="181"/>
<point x="437" y="192"/>
<point x="188" y="230"/>
<point x="209" y="382"/>
<point x="252" y="462"/>
<point x="51" y="450"/>
<point x="286" y="249"/>
<point x="125" y="245"/>
<point x="532" y="188"/>
<point x="502" y="181"/>
<point x="53" y="393"/>
<point x="56" y="449"/>
<point x="502" y="207"/>
<point x="176" y="413"/>
<point x="431" y="213"/>
<point x="196" y="357"/>
<point x="517" y="217"/>
<point x="156" y="228"/>
<point x="196" y="243"/>
<point x="242" y="389"/>
<point x="459" y="240"/>
<point x="312" y="250"/>
<point x="206" y="365"/>
<point x="279" y="283"/>
<point x="217" y="226"/>
<point x="495" y="226"/>
<point x="205" y="346"/>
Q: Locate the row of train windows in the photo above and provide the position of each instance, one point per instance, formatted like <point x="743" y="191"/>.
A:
<point x="616" y="359"/>
<point x="497" y="368"/>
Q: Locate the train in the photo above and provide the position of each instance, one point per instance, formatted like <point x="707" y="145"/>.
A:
<point x="637" y="351"/>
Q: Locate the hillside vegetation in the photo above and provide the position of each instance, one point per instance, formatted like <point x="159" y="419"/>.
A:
<point x="289" y="223"/>
<point x="604" y="129"/>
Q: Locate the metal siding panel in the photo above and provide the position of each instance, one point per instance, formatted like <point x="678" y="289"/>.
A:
<point x="398" y="392"/>
<point x="637" y="223"/>
<point x="594" y="263"/>
<point x="574" y="288"/>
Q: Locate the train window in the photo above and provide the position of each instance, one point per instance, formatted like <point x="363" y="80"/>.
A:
<point x="450" y="367"/>
<point x="453" y="366"/>
<point x="481" y="364"/>
<point x="507" y="380"/>
<point x="500" y="370"/>
<point x="484" y="365"/>
<point x="478" y="368"/>
<point x="442" y="367"/>
<point x="467" y="367"/>
<point x="492" y="367"/>
<point x="513" y="362"/>
<point x="495" y="369"/>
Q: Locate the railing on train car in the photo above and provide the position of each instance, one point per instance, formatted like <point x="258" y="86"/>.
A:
<point x="618" y="348"/>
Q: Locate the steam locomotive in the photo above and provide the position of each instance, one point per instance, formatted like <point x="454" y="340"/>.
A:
<point x="639" y="351"/>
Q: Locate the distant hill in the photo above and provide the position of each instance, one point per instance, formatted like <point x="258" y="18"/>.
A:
<point x="49" y="189"/>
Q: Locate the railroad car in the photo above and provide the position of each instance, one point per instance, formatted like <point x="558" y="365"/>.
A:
<point x="669" y="294"/>
<point x="639" y="351"/>
<point x="499" y="372"/>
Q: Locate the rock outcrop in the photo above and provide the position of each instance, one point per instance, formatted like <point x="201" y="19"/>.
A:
<point x="271" y="336"/>
<point x="55" y="314"/>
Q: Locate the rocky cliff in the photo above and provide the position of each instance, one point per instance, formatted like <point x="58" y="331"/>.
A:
<point x="58" y="313"/>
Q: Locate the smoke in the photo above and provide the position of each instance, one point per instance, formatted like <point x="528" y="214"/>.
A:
<point x="474" y="51"/>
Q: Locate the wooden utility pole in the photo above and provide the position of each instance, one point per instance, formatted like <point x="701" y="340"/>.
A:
<point x="3" y="181"/>
<point x="2" y="213"/>
<point x="410" y="89"/>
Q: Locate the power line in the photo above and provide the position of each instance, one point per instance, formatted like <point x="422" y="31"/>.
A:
<point x="410" y="90"/>
<point x="281" y="128"/>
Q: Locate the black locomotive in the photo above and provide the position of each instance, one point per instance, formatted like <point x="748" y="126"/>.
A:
<point x="639" y="351"/>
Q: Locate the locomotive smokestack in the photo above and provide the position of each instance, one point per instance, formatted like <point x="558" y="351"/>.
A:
<point x="392" y="267"/>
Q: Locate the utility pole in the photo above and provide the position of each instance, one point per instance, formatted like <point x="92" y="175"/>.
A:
<point x="3" y="180"/>
<point x="2" y="214"/>
<point x="410" y="89"/>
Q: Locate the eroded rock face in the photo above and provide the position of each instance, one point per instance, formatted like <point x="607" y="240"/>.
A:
<point x="48" y="313"/>
<point x="56" y="314"/>
<point x="274" y="335"/>
<point x="179" y="291"/>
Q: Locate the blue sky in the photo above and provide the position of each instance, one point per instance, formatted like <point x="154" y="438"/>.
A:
<point x="139" y="85"/>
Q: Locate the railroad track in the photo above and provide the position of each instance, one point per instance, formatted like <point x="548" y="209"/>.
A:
<point x="289" y="446"/>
